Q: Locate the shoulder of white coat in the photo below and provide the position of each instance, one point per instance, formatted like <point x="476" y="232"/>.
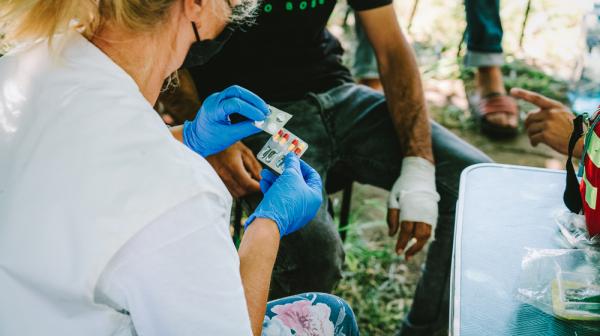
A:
<point x="120" y="131"/>
<point x="130" y="125"/>
<point x="85" y="106"/>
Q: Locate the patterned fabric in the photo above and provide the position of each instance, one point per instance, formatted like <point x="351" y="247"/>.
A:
<point x="591" y="179"/>
<point x="310" y="314"/>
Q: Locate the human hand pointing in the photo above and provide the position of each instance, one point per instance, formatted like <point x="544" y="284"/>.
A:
<point x="551" y="123"/>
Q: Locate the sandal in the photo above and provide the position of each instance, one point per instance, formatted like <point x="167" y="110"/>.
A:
<point x="495" y="103"/>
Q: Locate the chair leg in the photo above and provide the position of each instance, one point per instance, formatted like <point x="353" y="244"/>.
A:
<point x="237" y="222"/>
<point x="330" y="209"/>
<point x="345" y="211"/>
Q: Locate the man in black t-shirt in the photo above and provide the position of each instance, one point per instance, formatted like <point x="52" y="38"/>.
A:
<point x="355" y="134"/>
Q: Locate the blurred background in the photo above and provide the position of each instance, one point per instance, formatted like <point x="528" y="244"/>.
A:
<point x="552" y="47"/>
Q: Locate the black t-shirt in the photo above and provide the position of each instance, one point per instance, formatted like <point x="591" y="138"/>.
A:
<point x="287" y="53"/>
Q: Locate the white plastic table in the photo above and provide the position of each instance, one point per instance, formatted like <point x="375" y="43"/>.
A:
<point x="501" y="210"/>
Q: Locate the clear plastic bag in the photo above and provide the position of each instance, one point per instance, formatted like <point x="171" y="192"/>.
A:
<point x="562" y="282"/>
<point x="574" y="230"/>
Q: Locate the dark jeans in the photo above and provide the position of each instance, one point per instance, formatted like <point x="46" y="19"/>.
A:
<point x="351" y="137"/>
<point x="310" y="313"/>
<point x="484" y="33"/>
<point x="484" y="28"/>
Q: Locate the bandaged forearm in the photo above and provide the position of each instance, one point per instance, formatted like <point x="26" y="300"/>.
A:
<point x="414" y="192"/>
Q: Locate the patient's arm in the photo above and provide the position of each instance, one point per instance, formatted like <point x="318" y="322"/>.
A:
<point x="257" y="252"/>
<point x="401" y="79"/>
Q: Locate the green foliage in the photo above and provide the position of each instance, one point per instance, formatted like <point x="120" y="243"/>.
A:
<point x="377" y="283"/>
<point x="373" y="289"/>
<point x="520" y="74"/>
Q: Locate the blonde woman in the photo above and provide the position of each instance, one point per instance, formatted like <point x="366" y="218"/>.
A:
<point x="108" y="224"/>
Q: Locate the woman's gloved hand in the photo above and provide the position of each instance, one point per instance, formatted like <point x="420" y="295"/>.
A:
<point x="292" y="199"/>
<point x="212" y="130"/>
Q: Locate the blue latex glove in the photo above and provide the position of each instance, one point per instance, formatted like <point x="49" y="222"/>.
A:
<point x="292" y="199"/>
<point x="212" y="130"/>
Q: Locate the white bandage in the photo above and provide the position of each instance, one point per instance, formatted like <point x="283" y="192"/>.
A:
<point x="414" y="192"/>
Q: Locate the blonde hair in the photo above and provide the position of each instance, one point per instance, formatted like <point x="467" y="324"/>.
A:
<point x="42" y="19"/>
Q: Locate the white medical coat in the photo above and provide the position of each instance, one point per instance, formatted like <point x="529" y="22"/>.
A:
<point x="108" y="225"/>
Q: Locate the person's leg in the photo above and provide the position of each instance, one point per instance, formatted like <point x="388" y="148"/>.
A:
<point x="484" y="33"/>
<point x="310" y="259"/>
<point x="484" y="51"/>
<point x="369" y="152"/>
<point x="310" y="314"/>
<point x="364" y="67"/>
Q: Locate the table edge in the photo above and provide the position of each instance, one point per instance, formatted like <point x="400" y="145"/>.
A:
<point x="454" y="316"/>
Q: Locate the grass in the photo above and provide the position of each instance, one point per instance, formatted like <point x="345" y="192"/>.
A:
<point x="520" y="74"/>
<point x="377" y="283"/>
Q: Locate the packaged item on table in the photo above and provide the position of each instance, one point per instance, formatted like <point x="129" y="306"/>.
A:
<point x="574" y="230"/>
<point x="576" y="296"/>
<point x="562" y="282"/>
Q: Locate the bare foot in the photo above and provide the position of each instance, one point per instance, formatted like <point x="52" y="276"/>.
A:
<point x="489" y="80"/>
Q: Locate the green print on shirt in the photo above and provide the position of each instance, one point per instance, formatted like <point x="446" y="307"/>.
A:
<point x="289" y="6"/>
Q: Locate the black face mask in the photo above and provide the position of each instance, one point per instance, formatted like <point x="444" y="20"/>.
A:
<point x="202" y="51"/>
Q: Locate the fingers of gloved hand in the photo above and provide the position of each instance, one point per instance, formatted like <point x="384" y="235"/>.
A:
<point x="267" y="180"/>
<point x="269" y="175"/>
<point x="242" y="130"/>
<point x="211" y="101"/>
<point x="406" y="233"/>
<point x="310" y="175"/>
<point x="239" y="106"/>
<point x="291" y="164"/>
<point x="393" y="216"/>
<point x="422" y="233"/>
<point x="236" y="91"/>
<point x="265" y="185"/>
